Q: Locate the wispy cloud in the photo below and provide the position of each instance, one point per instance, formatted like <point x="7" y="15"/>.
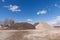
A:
<point x="29" y="20"/>
<point x="57" y="5"/>
<point x="13" y="8"/>
<point x="41" y="12"/>
<point x="55" y="21"/>
<point x="3" y="0"/>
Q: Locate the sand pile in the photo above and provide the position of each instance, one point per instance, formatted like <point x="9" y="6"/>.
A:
<point x="43" y="26"/>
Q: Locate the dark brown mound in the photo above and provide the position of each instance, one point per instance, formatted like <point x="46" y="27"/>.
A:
<point x="22" y="26"/>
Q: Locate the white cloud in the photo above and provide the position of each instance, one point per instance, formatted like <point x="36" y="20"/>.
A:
<point x="13" y="8"/>
<point x="57" y="5"/>
<point x="41" y="12"/>
<point x="3" y="0"/>
<point x="29" y="20"/>
<point x="55" y="22"/>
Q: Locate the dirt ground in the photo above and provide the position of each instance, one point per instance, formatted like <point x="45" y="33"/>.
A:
<point x="30" y="34"/>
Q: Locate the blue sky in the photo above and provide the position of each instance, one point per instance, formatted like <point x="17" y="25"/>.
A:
<point x="30" y="10"/>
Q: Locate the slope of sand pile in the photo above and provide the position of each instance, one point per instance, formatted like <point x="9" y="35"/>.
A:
<point x="43" y="26"/>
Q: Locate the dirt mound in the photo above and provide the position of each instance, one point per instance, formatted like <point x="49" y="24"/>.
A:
<point x="22" y="26"/>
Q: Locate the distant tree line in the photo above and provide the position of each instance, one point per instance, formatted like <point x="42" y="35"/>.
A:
<point x="7" y="22"/>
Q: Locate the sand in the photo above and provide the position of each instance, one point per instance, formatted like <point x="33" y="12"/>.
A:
<point x="53" y="34"/>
